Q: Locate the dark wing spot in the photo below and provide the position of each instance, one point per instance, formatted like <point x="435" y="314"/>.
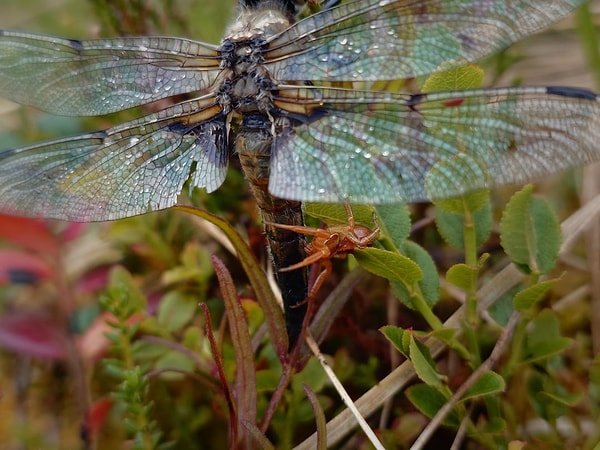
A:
<point x="77" y="45"/>
<point x="572" y="92"/>
<point x="415" y="99"/>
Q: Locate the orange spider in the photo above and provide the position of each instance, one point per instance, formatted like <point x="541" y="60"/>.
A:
<point x="333" y="242"/>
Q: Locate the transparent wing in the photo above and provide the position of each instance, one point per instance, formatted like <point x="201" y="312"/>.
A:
<point x="84" y="78"/>
<point x="387" y="148"/>
<point x="395" y="39"/>
<point x="130" y="169"/>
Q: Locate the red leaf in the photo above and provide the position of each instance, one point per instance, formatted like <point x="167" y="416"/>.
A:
<point x="20" y="267"/>
<point x="93" y="280"/>
<point x="32" y="234"/>
<point x="96" y="416"/>
<point x="35" y="335"/>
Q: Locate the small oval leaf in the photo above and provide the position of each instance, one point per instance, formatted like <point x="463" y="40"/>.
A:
<point x="462" y="276"/>
<point x="424" y="364"/>
<point x="175" y="310"/>
<point x="464" y="77"/>
<point x="394" y="222"/>
<point x="397" y="336"/>
<point x="390" y="265"/>
<point x="488" y="383"/>
<point x="530" y="232"/>
<point x="451" y="225"/>
<point x="429" y="284"/>
<point x="526" y="299"/>
<point x="470" y="202"/>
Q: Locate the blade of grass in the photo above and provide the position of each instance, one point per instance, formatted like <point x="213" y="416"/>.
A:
<point x="245" y="378"/>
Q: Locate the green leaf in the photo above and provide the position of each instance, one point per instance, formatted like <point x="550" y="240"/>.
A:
<point x="543" y="338"/>
<point x="530" y="232"/>
<point x="470" y="202"/>
<point x="418" y="353"/>
<point x="546" y="349"/>
<point x="394" y="222"/>
<point x="503" y="308"/>
<point x="399" y="338"/>
<point x="526" y="299"/>
<point x="462" y="276"/>
<point x="390" y="265"/>
<point x="429" y="401"/>
<point x="123" y="298"/>
<point x="488" y="383"/>
<point x="195" y="266"/>
<point x="424" y="364"/>
<point x="564" y="399"/>
<point x="334" y="213"/>
<point x="175" y="310"/>
<point x="451" y="225"/>
<point x="462" y="173"/>
<point x="548" y="395"/>
<point x="547" y="229"/>
<point x="456" y="172"/>
<point x="494" y="414"/>
<point x="466" y="77"/>
<point x="445" y="335"/>
<point x="429" y="283"/>
<point x="175" y="365"/>
<point x="312" y="374"/>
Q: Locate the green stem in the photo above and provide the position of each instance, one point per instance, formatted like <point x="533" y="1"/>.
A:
<point x="471" y="322"/>
<point x="421" y="305"/>
<point x="517" y="345"/>
<point x="470" y="243"/>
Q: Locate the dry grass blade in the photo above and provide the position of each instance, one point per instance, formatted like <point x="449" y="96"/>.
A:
<point x="344" y="395"/>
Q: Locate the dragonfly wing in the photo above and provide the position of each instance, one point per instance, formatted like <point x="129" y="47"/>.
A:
<point x="366" y="40"/>
<point x="86" y="78"/>
<point x="130" y="169"/>
<point x="386" y="148"/>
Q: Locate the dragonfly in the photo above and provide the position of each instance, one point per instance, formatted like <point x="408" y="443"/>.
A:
<point x="292" y="90"/>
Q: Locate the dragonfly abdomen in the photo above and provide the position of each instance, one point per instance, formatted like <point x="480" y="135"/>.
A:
<point x="253" y="145"/>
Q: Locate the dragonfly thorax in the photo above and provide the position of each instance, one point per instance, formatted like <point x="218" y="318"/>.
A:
<point x="247" y="85"/>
